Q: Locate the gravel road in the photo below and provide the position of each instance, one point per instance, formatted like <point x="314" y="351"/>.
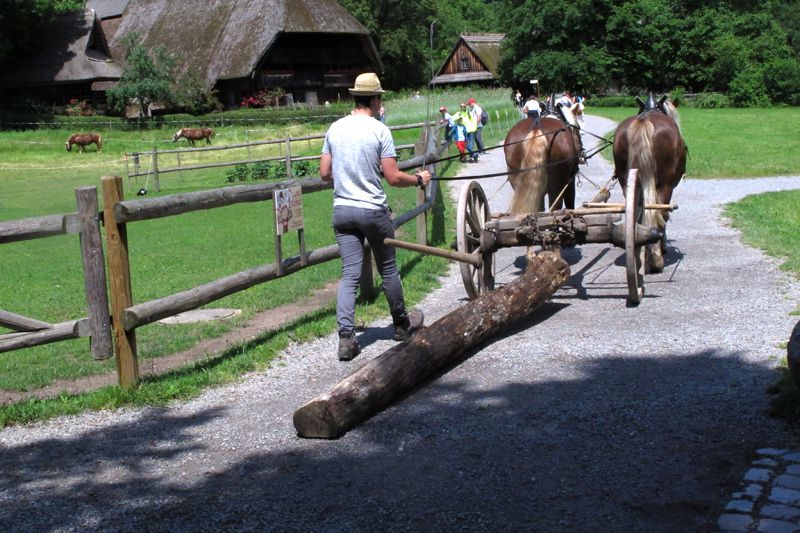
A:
<point x="586" y="416"/>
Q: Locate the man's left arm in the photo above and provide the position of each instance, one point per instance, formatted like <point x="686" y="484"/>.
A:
<point x="326" y="167"/>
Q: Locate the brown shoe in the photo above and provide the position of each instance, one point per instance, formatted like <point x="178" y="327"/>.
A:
<point x="415" y="321"/>
<point x="348" y="348"/>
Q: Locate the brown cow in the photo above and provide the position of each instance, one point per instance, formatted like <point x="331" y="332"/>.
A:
<point x="83" y="140"/>
<point x="193" y="134"/>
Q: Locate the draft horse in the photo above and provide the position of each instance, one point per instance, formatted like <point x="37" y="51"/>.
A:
<point x="194" y="134"/>
<point x="83" y="140"/>
<point x="651" y="142"/>
<point x="543" y="162"/>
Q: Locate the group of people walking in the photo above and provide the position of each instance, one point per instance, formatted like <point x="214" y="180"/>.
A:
<point x="465" y="128"/>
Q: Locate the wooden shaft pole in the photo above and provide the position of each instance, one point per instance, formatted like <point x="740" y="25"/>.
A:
<point x="461" y="257"/>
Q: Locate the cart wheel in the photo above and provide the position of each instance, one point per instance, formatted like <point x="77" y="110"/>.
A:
<point x="473" y="212"/>
<point x="634" y="255"/>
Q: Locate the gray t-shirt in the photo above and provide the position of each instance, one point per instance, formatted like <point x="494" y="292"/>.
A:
<point x="356" y="144"/>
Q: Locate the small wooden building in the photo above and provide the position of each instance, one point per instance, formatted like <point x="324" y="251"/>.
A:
<point x="474" y="59"/>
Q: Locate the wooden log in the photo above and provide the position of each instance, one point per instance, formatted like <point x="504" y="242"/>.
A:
<point x="21" y="323"/>
<point x="176" y="204"/>
<point x="57" y="332"/>
<point x="393" y="373"/>
<point x="138" y="315"/>
<point x="36" y="227"/>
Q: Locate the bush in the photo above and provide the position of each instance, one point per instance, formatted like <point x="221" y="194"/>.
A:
<point x="79" y="107"/>
<point x="709" y="101"/>
<point x="747" y="89"/>
<point x="611" y="101"/>
<point x="237" y="173"/>
<point x="782" y="80"/>
<point x="260" y="170"/>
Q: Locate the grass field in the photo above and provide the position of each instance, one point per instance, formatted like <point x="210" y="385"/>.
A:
<point x="735" y="143"/>
<point x="42" y="278"/>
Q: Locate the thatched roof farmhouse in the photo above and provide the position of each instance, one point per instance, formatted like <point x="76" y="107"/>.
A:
<point x="313" y="49"/>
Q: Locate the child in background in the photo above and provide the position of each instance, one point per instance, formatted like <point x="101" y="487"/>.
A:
<point x="458" y="133"/>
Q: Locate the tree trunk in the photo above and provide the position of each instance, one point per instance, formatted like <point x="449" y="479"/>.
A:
<point x="393" y="373"/>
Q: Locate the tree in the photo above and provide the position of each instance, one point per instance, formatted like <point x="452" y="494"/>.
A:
<point x="23" y="22"/>
<point x="148" y="77"/>
<point x="400" y="31"/>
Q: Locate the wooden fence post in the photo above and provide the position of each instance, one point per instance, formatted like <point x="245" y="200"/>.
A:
<point x="154" y="167"/>
<point x="422" y="148"/>
<point x="94" y="273"/>
<point x="288" y="157"/>
<point x="119" y="272"/>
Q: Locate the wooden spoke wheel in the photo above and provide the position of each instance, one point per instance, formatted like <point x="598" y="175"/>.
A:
<point x="473" y="213"/>
<point x="634" y="255"/>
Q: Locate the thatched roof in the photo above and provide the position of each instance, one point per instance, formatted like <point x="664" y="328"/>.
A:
<point x="107" y="8"/>
<point x="227" y="40"/>
<point x="75" y="51"/>
<point x="487" y="47"/>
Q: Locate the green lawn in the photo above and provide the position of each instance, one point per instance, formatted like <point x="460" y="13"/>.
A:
<point x="734" y="143"/>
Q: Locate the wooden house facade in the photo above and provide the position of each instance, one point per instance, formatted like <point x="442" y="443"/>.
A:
<point x="474" y="59"/>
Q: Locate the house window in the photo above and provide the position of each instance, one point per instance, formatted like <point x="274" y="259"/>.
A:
<point x="464" y="63"/>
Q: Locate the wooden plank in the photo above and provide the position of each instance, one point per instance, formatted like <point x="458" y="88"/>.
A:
<point x="119" y="272"/>
<point x="397" y="371"/>
<point x="94" y="273"/>
<point x="21" y="323"/>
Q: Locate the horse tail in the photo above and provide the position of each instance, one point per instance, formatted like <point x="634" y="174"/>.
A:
<point x="99" y="142"/>
<point x="640" y="156"/>
<point x="530" y="185"/>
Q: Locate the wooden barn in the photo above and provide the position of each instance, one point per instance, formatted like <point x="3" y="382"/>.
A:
<point x="474" y="59"/>
<point x="312" y="49"/>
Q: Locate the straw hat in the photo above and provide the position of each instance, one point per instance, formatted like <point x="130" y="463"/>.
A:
<point x="367" y="84"/>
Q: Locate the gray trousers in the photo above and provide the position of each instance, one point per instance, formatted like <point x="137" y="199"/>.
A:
<point x="352" y="225"/>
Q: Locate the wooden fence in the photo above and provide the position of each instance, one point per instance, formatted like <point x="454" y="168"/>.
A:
<point x="29" y="331"/>
<point x="126" y="316"/>
<point x="284" y="146"/>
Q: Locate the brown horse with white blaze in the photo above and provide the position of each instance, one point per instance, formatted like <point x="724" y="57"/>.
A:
<point x="652" y="143"/>
<point x="83" y="140"/>
<point x="542" y="161"/>
<point x="194" y="134"/>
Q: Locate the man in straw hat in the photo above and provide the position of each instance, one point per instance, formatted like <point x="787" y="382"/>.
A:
<point x="359" y="151"/>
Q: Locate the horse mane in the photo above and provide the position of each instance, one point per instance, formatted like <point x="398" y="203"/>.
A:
<point x="672" y="112"/>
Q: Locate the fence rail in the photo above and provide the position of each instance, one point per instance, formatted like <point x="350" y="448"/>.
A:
<point x="156" y="169"/>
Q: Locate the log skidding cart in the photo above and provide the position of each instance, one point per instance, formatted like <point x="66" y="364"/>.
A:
<point x="479" y="234"/>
